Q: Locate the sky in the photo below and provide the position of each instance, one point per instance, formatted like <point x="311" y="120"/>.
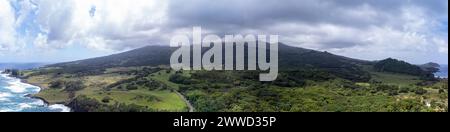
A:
<point x="64" y="30"/>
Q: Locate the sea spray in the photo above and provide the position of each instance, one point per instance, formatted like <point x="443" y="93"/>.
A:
<point x="14" y="97"/>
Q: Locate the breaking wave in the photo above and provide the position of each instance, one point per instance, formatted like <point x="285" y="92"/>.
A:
<point x="13" y="97"/>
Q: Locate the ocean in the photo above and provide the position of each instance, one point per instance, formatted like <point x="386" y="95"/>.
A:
<point x="13" y="97"/>
<point x="443" y="72"/>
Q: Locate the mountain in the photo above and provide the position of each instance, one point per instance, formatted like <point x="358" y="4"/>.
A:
<point x="290" y="58"/>
<point x="146" y="56"/>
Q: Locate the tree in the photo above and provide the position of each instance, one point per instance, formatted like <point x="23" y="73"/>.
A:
<point x="57" y="84"/>
<point x="132" y="87"/>
<point x="179" y="79"/>
<point x="73" y="86"/>
<point x="397" y="66"/>
<point x="441" y="91"/>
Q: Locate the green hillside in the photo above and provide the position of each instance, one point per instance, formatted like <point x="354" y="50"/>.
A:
<point x="140" y="80"/>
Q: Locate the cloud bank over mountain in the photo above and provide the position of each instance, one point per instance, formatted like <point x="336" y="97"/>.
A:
<point x="413" y="30"/>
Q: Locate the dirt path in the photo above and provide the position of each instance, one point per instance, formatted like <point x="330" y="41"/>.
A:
<point x="191" y="108"/>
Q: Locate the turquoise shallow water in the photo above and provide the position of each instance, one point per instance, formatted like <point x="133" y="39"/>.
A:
<point x="13" y="97"/>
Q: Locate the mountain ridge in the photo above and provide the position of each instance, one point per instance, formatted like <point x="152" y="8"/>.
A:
<point x="165" y="51"/>
<point x="290" y="58"/>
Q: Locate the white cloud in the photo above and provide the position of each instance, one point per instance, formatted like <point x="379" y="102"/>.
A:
<point x="41" y="41"/>
<point x="413" y="34"/>
<point x="370" y="29"/>
<point x="7" y="27"/>
<point x="26" y="9"/>
<point x="115" y="24"/>
<point x="442" y="45"/>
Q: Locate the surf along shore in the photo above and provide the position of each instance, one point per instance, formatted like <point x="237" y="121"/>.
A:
<point x="22" y="86"/>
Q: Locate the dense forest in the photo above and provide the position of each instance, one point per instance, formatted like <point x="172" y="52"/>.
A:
<point x="396" y="66"/>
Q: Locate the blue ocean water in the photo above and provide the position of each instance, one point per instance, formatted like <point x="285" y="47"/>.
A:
<point x="13" y="97"/>
<point x="443" y="73"/>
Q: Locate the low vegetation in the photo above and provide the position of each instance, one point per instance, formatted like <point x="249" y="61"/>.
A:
<point x="115" y="90"/>
<point x="308" y="81"/>
<point x="322" y="93"/>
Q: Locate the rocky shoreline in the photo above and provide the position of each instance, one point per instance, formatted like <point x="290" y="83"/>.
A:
<point x="33" y="96"/>
<point x="37" y="97"/>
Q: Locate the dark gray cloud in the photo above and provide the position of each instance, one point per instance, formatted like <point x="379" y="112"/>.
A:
<point x="368" y="29"/>
<point x="355" y="28"/>
<point x="231" y="14"/>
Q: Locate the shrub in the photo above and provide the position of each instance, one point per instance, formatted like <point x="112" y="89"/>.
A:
<point x="58" y="84"/>
<point x="441" y="91"/>
<point x="421" y="91"/>
<point x="132" y="87"/>
<point x="72" y="86"/>
<point x="106" y="99"/>
<point x="179" y="79"/>
<point x="404" y="90"/>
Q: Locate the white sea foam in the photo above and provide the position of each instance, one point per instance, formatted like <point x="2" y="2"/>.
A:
<point x="3" y="75"/>
<point x="10" y="109"/>
<point x="4" y="96"/>
<point x="16" y="86"/>
<point x="60" y="107"/>
<point x="4" y="100"/>
<point x="6" y="110"/>
<point x="38" y="103"/>
<point x="24" y="106"/>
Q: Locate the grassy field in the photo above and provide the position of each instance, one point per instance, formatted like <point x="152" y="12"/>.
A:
<point x="40" y="80"/>
<point x="164" y="75"/>
<point x="212" y="96"/>
<point x="160" y="100"/>
<point x="95" y="84"/>
<point x="392" y="78"/>
<point x="395" y="79"/>
<point x="163" y="100"/>
<point x="54" y="96"/>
